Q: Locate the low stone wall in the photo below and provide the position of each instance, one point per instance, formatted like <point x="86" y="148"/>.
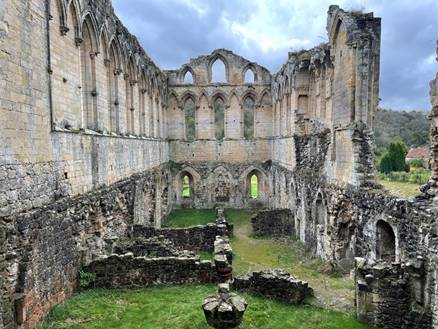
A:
<point x="273" y="223"/>
<point x="277" y="284"/>
<point x="127" y="271"/>
<point x="152" y="247"/>
<point x="393" y="295"/>
<point x="200" y="237"/>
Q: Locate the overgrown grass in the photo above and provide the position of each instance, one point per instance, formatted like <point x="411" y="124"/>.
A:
<point x="190" y="217"/>
<point x="251" y="254"/>
<point x="179" y="307"/>
<point x="401" y="189"/>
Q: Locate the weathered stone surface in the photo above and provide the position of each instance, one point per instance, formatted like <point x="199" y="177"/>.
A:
<point x="278" y="222"/>
<point x="127" y="271"/>
<point x="277" y="284"/>
<point x="224" y="311"/>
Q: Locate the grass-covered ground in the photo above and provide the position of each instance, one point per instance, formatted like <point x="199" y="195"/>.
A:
<point x="190" y="217"/>
<point x="179" y="307"/>
<point x="250" y="254"/>
<point x="401" y="189"/>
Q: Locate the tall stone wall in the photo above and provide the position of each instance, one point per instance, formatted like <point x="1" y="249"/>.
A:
<point x="335" y="86"/>
<point x="62" y="133"/>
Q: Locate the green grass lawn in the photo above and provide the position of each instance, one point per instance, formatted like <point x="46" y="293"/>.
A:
<point x="401" y="189"/>
<point x="190" y="217"/>
<point x="251" y="254"/>
<point x="179" y="307"/>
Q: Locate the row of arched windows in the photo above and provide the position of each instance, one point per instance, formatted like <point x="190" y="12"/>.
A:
<point x="116" y="95"/>
<point x="187" y="185"/>
<point x="218" y="74"/>
<point x="219" y="118"/>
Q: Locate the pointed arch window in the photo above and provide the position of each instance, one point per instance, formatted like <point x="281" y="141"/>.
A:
<point x="249" y="76"/>
<point x="189" y="113"/>
<point x="88" y="64"/>
<point x="219" y="118"/>
<point x="248" y="118"/>
<point x="186" y="191"/>
<point x="218" y="71"/>
<point x="188" y="77"/>
<point x="254" y="186"/>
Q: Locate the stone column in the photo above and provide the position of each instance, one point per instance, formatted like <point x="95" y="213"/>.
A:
<point x="434" y="132"/>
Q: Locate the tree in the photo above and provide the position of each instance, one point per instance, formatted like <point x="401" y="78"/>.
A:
<point x="394" y="159"/>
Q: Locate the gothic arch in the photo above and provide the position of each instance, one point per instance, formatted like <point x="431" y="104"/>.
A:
<point x="213" y="59"/>
<point x="73" y="9"/>
<point x="252" y="68"/>
<point x="62" y="12"/>
<point x="183" y="73"/>
<point x="188" y="94"/>
<point x="265" y="95"/>
<point x="249" y="93"/>
<point x="89" y="19"/>
<point x="218" y="93"/>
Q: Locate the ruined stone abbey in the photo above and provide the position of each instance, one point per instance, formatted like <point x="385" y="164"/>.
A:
<point x="96" y="138"/>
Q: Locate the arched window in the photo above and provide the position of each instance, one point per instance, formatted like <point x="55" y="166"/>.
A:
<point x="249" y="76"/>
<point x="320" y="211"/>
<point x="218" y="71"/>
<point x="186" y="191"/>
<point x="130" y="82"/>
<point x="248" y="118"/>
<point x="88" y="63"/>
<point x="219" y="115"/>
<point x="114" y="89"/>
<point x="188" y="78"/>
<point x="189" y="113"/>
<point x="385" y="241"/>
<point x="254" y="186"/>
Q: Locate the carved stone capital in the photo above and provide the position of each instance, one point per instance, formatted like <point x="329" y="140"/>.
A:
<point x="63" y="29"/>
<point x="78" y="41"/>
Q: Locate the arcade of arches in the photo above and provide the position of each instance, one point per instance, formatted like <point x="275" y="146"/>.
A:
<point x="96" y="138"/>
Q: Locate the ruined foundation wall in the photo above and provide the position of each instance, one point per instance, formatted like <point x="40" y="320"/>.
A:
<point x="46" y="247"/>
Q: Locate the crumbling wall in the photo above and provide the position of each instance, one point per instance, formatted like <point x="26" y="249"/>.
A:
<point x="127" y="271"/>
<point x="278" y="222"/>
<point x="44" y="248"/>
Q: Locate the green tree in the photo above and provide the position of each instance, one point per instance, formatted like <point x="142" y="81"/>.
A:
<point x="394" y="159"/>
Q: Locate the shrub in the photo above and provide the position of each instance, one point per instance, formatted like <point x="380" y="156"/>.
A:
<point x="86" y="279"/>
<point x="394" y="158"/>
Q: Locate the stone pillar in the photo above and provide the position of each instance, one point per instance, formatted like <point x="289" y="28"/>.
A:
<point x="434" y="133"/>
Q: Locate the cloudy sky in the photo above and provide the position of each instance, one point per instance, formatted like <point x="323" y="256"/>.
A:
<point x="173" y="31"/>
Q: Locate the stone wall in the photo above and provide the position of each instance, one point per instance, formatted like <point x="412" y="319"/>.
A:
<point x="222" y="184"/>
<point x="199" y="237"/>
<point x="276" y="284"/>
<point x="49" y="146"/>
<point x="44" y="248"/>
<point x="391" y="296"/>
<point x="127" y="271"/>
<point x="278" y="222"/>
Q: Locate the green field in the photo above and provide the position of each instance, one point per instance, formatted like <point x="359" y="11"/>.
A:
<point x="401" y="189"/>
<point x="179" y="307"/>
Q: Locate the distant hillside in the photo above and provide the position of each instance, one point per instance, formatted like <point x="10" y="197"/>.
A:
<point x="410" y="127"/>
